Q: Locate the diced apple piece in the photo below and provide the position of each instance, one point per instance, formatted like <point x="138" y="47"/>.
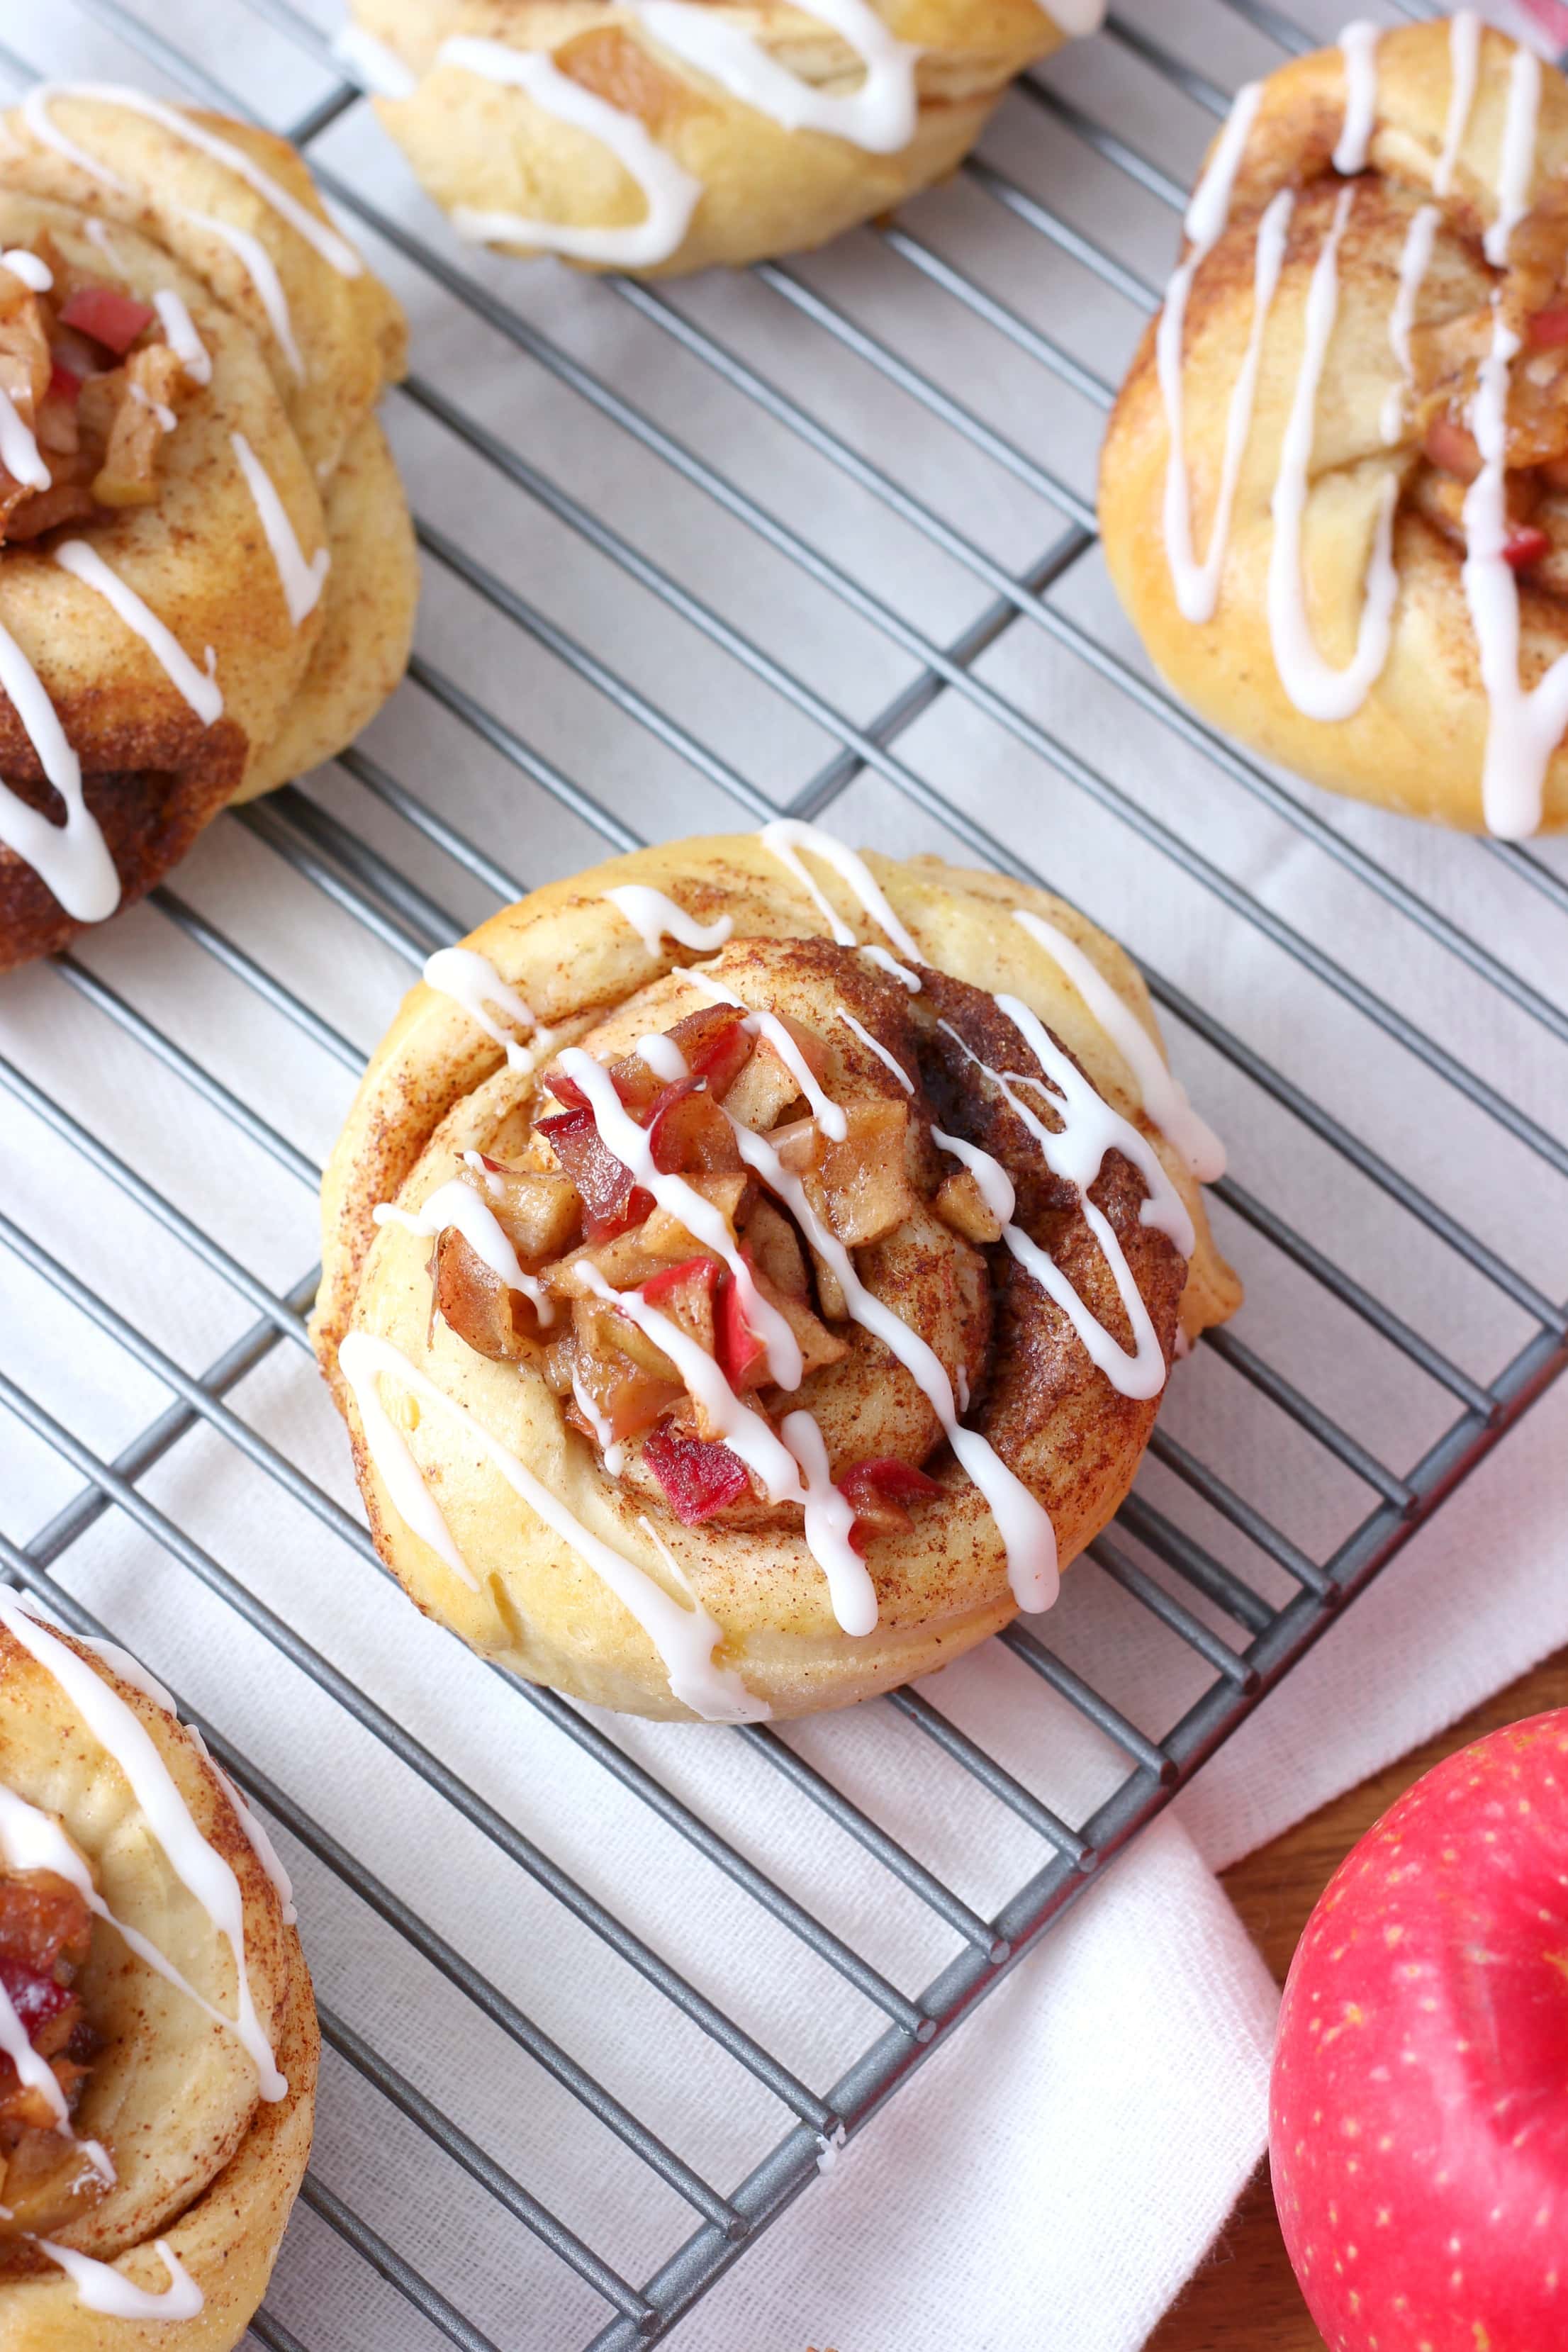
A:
<point x="732" y="1194"/>
<point x="960" y="1203"/>
<point x="772" y="1241"/>
<point x="612" y="1199"/>
<point x="689" y="1133"/>
<point x="602" y="1335"/>
<point x="628" y="1260"/>
<point x="629" y="1397"/>
<point x="697" y="1478"/>
<point x="537" y="1213"/>
<point x="685" y="1293"/>
<point x="818" y="1346"/>
<point x="743" y="1358"/>
<point x="860" y="1186"/>
<point x="798" y="1145"/>
<point x="714" y="1044"/>
<point x="879" y="1492"/>
<point x="478" y="1306"/>
<point x="829" y="1290"/>
<point x="764" y="1090"/>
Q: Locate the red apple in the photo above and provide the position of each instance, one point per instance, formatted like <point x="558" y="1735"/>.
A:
<point x="1419" y="2130"/>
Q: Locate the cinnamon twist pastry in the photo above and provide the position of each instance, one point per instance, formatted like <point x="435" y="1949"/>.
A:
<point x="751" y="1271"/>
<point x="158" y="2041"/>
<point x="1334" y="492"/>
<point x="660" y="136"/>
<point x="207" y="566"/>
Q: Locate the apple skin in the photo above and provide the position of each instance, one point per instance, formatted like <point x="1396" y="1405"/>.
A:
<point x="1418" y="2124"/>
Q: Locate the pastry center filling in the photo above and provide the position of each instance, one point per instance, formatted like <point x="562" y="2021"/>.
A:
<point x="46" y="1930"/>
<point x="630" y="1314"/>
<point x="89" y="385"/>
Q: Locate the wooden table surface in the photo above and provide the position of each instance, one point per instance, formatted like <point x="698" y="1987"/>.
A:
<point x="1244" y="2298"/>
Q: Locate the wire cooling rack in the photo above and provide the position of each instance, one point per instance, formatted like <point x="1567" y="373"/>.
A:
<point x="820" y="538"/>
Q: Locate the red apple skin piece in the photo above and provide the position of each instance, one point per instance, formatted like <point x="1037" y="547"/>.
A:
<point x="1418" y="2128"/>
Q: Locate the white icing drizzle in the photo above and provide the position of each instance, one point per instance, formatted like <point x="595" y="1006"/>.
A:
<point x="1358" y="46"/>
<point x="1464" y="50"/>
<point x="1027" y="1536"/>
<point x="99" y="233"/>
<point x="72" y="858"/>
<point x="46" y="131"/>
<point x="891" y="964"/>
<point x="129" y="1668"/>
<point x="84" y="563"/>
<point x="372" y="64"/>
<point x="1414" y="258"/>
<point x="1090" y="1127"/>
<point x="996" y="1185"/>
<point x="829" y="1519"/>
<point x="614" y="1456"/>
<point x="360" y="1358"/>
<point x="35" y="2073"/>
<point x="28" y="267"/>
<point x="1164" y="1097"/>
<point x="663" y="1057"/>
<point x="651" y="916"/>
<point x="317" y="234"/>
<point x="33" y="1840"/>
<point x="302" y="582"/>
<point x="779" y="1463"/>
<point x="167" y="420"/>
<point x="786" y="837"/>
<point x="890" y="1062"/>
<point x="199" y="1865"/>
<point x="19" y="451"/>
<point x="828" y="1114"/>
<point x="184" y="341"/>
<point x="471" y="980"/>
<point x="1196" y="585"/>
<point x="1516" y="159"/>
<point x="457" y="1203"/>
<point x="255" y="1836"/>
<point x="1317" y="690"/>
<point x="793" y="1466"/>
<point x="1464" y="53"/>
<point x="672" y="194"/>
<point x="684" y="1638"/>
<point x="630" y="1144"/>
<point x="880" y="116"/>
<point x="104" y="2288"/>
<point x="1523" y="726"/>
<point x="743" y="1430"/>
<point x="262" y="271"/>
<point x="1141" y="1373"/>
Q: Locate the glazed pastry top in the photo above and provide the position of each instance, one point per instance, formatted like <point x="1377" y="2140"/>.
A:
<point x="805" y="1244"/>
<point x="1402" y="202"/>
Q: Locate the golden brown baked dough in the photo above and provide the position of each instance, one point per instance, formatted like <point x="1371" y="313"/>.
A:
<point x="483" y="1464"/>
<point x="1457" y="115"/>
<point x="286" y="345"/>
<point x="202" y="2163"/>
<point x="735" y="174"/>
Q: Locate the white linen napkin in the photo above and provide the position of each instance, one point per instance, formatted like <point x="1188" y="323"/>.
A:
<point x="1053" y="2174"/>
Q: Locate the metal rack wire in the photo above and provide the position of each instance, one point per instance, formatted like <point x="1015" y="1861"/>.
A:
<point x="1240" y="1596"/>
